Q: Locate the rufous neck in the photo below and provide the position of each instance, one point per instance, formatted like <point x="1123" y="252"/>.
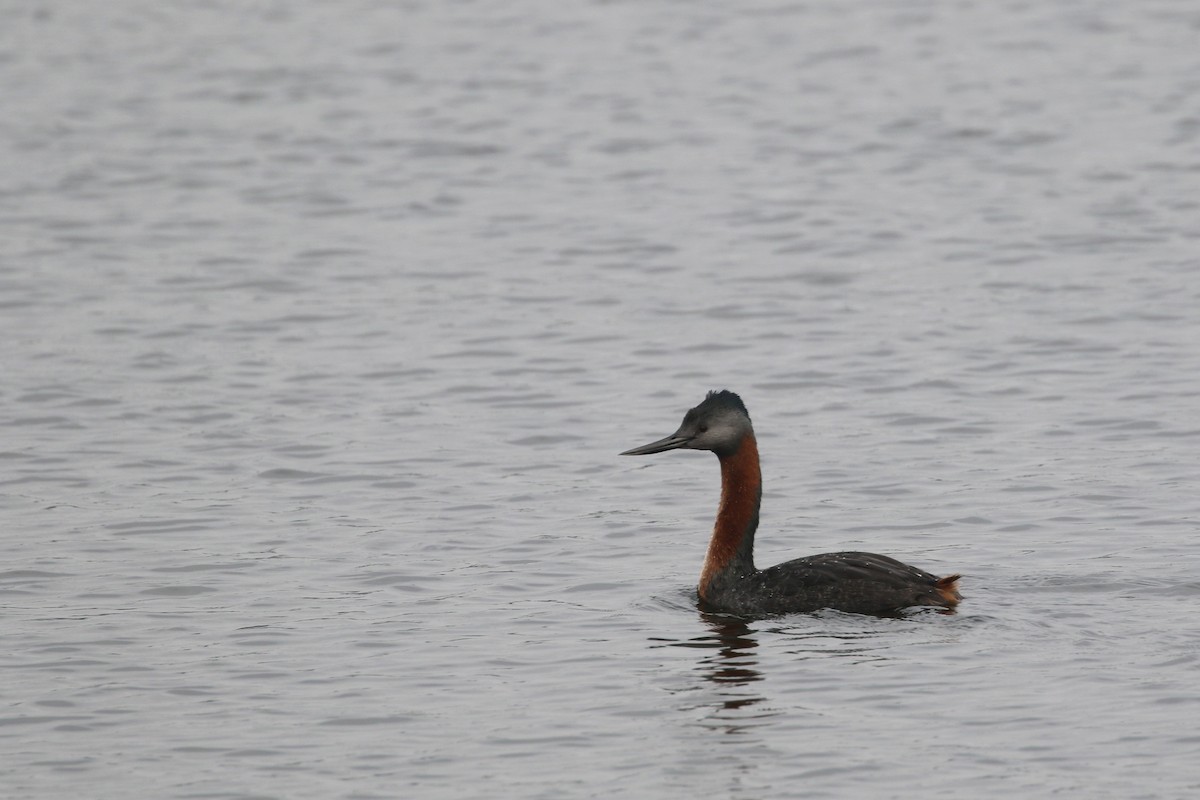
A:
<point x="731" y="549"/>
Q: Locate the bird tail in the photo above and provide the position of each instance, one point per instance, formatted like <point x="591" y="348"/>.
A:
<point x="947" y="589"/>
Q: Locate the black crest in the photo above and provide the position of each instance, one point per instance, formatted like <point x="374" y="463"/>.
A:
<point x="723" y="399"/>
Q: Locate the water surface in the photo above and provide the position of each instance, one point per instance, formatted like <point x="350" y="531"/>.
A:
<point x="321" y="328"/>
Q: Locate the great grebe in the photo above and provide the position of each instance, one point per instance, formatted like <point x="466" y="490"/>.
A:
<point x="863" y="583"/>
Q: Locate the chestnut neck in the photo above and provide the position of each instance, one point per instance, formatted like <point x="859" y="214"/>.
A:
<point x="731" y="549"/>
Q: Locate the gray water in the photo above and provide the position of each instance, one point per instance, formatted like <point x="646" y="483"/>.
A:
<point x="321" y="326"/>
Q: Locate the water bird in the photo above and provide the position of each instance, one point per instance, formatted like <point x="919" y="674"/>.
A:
<point x="863" y="583"/>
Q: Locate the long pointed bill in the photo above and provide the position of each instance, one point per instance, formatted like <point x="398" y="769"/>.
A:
<point x="672" y="442"/>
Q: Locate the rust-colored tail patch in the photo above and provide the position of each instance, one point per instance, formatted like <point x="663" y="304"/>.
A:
<point x="947" y="587"/>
